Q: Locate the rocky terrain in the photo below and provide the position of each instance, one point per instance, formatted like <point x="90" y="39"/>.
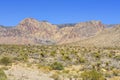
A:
<point x="109" y="37"/>
<point x="22" y="72"/>
<point x="31" y="31"/>
<point x="62" y="62"/>
<point x="39" y="50"/>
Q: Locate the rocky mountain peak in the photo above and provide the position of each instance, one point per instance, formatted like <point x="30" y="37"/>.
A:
<point x="34" y="31"/>
<point x="28" y="20"/>
<point x="28" y="23"/>
<point x="91" y="25"/>
<point x="95" y="22"/>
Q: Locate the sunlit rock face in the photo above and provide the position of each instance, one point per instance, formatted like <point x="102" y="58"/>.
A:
<point x="32" y="31"/>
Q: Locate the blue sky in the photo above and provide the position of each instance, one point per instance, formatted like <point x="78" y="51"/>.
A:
<point x="59" y="11"/>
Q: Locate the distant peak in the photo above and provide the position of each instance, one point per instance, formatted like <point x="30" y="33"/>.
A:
<point x="92" y="22"/>
<point x="28" y="24"/>
<point x="29" y="20"/>
<point x="95" y="22"/>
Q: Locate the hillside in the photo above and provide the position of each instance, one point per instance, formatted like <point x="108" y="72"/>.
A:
<point x="32" y="31"/>
<point x="110" y="37"/>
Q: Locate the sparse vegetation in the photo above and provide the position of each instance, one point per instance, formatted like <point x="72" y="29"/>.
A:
<point x="2" y="75"/>
<point x="92" y="75"/>
<point x="57" y="66"/>
<point x="5" y="60"/>
<point x="104" y="61"/>
<point x="117" y="57"/>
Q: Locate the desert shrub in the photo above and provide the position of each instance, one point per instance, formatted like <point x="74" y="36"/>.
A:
<point x="57" y="66"/>
<point x="81" y="60"/>
<point x="66" y="57"/>
<point x="117" y="57"/>
<point x="22" y="57"/>
<point x="2" y="75"/>
<point x="97" y="55"/>
<point x="5" y="60"/>
<point x="53" y="53"/>
<point x="92" y="75"/>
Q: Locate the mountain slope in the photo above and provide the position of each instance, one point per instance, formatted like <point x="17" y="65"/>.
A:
<point x="80" y="31"/>
<point x="109" y="37"/>
<point x="31" y="31"/>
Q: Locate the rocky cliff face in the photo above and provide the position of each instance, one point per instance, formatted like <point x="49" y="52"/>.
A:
<point x="109" y="37"/>
<point x="31" y="31"/>
<point x="80" y="31"/>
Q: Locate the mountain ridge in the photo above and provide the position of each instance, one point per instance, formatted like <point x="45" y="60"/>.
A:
<point x="32" y="31"/>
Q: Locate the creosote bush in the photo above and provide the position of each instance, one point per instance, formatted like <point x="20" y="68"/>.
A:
<point x="57" y="66"/>
<point x="2" y="75"/>
<point x="92" y="75"/>
<point x="5" y="60"/>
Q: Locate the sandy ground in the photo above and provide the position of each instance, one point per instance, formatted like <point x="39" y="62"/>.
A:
<point x="19" y="72"/>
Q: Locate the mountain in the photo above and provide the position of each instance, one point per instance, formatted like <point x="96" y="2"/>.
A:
<point x="40" y="32"/>
<point x="32" y="31"/>
<point x="28" y="31"/>
<point x="109" y="37"/>
<point x="66" y="25"/>
<point x="80" y="31"/>
<point x="110" y="25"/>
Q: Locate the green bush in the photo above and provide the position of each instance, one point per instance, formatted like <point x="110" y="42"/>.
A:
<point x="81" y="60"/>
<point x="92" y="75"/>
<point x="97" y="55"/>
<point x="5" y="60"/>
<point x="117" y="57"/>
<point x="2" y="75"/>
<point x="57" y="66"/>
